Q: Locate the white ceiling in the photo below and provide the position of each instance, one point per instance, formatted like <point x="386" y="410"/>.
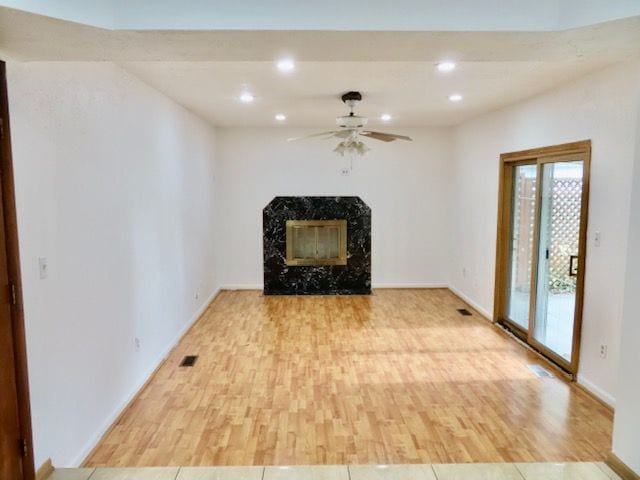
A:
<point x="207" y="70"/>
<point x="414" y="93"/>
<point x="30" y="37"/>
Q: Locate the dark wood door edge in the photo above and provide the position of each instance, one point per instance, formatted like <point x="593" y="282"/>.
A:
<point x="13" y="264"/>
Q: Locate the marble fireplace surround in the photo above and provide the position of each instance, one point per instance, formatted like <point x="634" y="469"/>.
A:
<point x="354" y="278"/>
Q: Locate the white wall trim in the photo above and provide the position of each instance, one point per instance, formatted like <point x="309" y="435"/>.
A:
<point x="251" y="286"/>
<point x="474" y="304"/>
<point x="242" y="286"/>
<point x="91" y="444"/>
<point x="595" y="390"/>
<point x="409" y="285"/>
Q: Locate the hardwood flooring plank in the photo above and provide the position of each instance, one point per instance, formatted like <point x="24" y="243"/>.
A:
<point x="396" y="377"/>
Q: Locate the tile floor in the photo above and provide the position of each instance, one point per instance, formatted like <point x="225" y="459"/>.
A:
<point x="469" y="471"/>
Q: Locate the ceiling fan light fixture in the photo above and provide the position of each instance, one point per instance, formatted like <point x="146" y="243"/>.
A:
<point x="351" y="146"/>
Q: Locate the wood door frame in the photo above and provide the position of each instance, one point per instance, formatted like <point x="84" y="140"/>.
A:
<point x="13" y="266"/>
<point x="539" y="156"/>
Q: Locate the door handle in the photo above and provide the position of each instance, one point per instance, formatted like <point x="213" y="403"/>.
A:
<point x="573" y="265"/>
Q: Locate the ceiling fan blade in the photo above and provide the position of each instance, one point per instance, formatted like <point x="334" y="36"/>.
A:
<point x="329" y="134"/>
<point x="385" y="137"/>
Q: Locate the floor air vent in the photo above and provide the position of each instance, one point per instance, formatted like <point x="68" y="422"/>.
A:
<point x="540" y="372"/>
<point x="464" y="311"/>
<point x="189" y="361"/>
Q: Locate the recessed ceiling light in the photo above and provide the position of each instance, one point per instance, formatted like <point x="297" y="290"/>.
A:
<point x="286" y="65"/>
<point x="455" y="97"/>
<point x="385" y="117"/>
<point x="446" y="66"/>
<point x="247" y="97"/>
<point x="281" y="117"/>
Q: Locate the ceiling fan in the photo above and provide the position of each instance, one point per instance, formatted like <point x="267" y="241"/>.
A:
<point x="352" y="128"/>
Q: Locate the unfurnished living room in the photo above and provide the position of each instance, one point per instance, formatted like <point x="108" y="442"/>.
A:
<point x="340" y="240"/>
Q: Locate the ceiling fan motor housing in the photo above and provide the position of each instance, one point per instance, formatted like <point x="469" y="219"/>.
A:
<point x="352" y="96"/>
<point x="351" y="121"/>
<point x="351" y="99"/>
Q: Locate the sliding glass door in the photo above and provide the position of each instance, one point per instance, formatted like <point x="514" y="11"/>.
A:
<point x="523" y="215"/>
<point x="558" y="249"/>
<point x="541" y="248"/>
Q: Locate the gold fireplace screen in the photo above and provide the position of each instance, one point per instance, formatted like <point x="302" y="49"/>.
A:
<point x="316" y="242"/>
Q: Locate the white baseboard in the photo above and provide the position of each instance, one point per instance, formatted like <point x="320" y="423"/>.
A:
<point x="409" y="285"/>
<point x="242" y="286"/>
<point x="606" y="397"/>
<point x="251" y="286"/>
<point x="476" y="306"/>
<point x="95" y="439"/>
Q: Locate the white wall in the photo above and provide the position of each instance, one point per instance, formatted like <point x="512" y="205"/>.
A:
<point x="114" y="185"/>
<point x="574" y="13"/>
<point x="404" y="183"/>
<point x="626" y="429"/>
<point x="295" y="15"/>
<point x="340" y="15"/>
<point x="463" y="15"/>
<point x="601" y="107"/>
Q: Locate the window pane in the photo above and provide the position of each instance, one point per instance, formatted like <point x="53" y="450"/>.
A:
<point x="523" y="216"/>
<point x="560" y="213"/>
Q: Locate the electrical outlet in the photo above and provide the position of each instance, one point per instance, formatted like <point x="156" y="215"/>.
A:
<point x="603" y="351"/>
<point x="345" y="172"/>
<point x="137" y="344"/>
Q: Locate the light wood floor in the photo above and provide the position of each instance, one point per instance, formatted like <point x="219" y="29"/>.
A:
<point x="397" y="377"/>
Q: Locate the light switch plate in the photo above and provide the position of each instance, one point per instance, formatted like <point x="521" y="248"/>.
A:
<point x="43" y="267"/>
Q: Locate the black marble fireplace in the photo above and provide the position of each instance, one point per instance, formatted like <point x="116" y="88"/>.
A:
<point x="283" y="275"/>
